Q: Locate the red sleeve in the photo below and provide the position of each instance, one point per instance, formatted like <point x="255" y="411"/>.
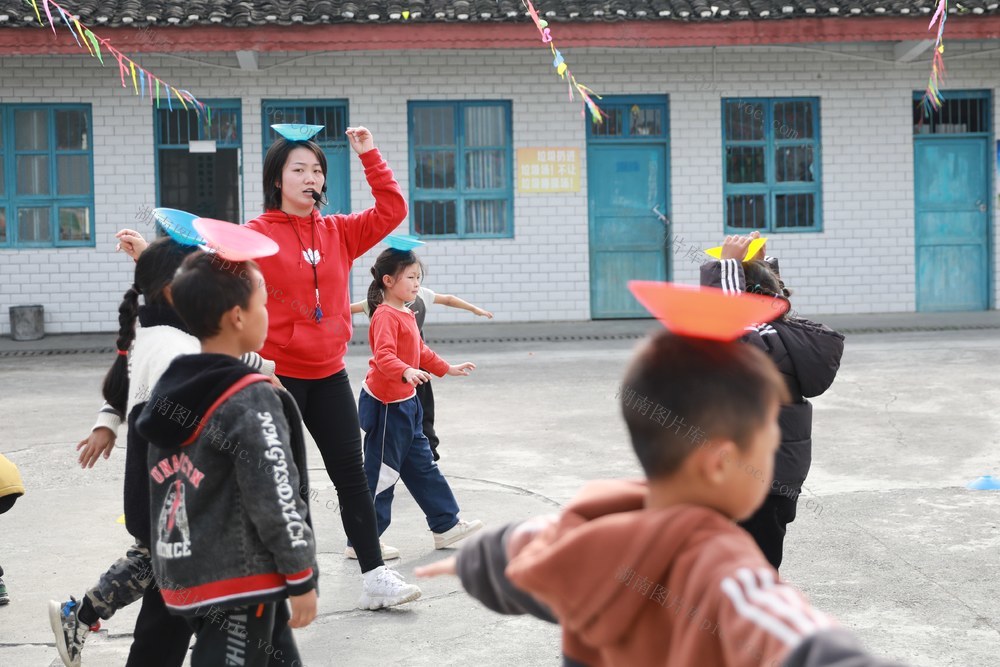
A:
<point x="384" y="346"/>
<point x="761" y="619"/>
<point x="363" y="230"/>
<point x="429" y="360"/>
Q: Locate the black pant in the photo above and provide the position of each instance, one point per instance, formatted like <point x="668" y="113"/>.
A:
<point x="160" y="639"/>
<point x="767" y="526"/>
<point x="425" y="394"/>
<point x="254" y="636"/>
<point x="330" y="413"/>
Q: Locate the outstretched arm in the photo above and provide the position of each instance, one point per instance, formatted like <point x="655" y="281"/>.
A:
<point x="481" y="565"/>
<point x="454" y="302"/>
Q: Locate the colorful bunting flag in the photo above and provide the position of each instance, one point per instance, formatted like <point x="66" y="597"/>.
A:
<point x="932" y="96"/>
<point x="141" y="78"/>
<point x="562" y="69"/>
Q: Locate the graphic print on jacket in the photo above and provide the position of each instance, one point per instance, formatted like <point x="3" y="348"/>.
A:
<point x="294" y="523"/>
<point x="173" y="516"/>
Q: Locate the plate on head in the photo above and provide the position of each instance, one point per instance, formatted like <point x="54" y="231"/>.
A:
<point x="297" y="131"/>
<point x="234" y="242"/>
<point x="179" y="225"/>
<point x="752" y="249"/>
<point x="705" y="312"/>
<point x="403" y="242"/>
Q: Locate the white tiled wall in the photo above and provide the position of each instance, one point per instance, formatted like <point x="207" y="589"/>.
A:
<point x="862" y="261"/>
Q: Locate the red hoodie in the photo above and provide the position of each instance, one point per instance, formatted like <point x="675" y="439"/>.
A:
<point x="300" y="346"/>
<point x="396" y="345"/>
<point x="677" y="587"/>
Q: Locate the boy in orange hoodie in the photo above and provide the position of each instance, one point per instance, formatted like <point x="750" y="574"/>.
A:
<point x="657" y="572"/>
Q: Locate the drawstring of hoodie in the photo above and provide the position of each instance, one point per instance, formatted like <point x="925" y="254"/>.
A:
<point x="312" y="256"/>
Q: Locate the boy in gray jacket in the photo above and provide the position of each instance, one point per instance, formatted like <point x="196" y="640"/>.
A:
<point x="231" y="536"/>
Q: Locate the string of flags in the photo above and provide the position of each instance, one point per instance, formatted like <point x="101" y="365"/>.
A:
<point x="143" y="82"/>
<point x="562" y="69"/>
<point x="932" y="96"/>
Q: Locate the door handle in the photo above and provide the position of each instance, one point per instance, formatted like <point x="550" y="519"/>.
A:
<point x="663" y="218"/>
<point x="981" y="205"/>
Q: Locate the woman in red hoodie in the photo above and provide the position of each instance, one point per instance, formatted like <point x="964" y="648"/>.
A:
<point x="310" y="325"/>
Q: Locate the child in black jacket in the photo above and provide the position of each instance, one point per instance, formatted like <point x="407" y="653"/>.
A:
<point x="808" y="356"/>
<point x="231" y="535"/>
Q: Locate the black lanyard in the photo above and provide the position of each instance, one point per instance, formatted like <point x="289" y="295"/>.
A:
<point x="313" y="258"/>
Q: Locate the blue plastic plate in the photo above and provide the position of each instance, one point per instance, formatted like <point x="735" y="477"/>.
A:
<point x="403" y="241"/>
<point x="179" y="225"/>
<point x="297" y="131"/>
<point x="984" y="483"/>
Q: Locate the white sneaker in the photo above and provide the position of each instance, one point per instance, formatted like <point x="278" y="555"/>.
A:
<point x="459" y="531"/>
<point x="388" y="553"/>
<point x="383" y="587"/>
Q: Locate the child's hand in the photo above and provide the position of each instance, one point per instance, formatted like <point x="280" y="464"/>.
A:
<point x="527" y="531"/>
<point x="303" y="609"/>
<point x="131" y="242"/>
<point x="442" y="567"/>
<point x="483" y="313"/>
<point x="361" y="139"/>
<point x="415" y="376"/>
<point x="462" y="369"/>
<point x="100" y="441"/>
<point x="735" y="247"/>
<point x="276" y="382"/>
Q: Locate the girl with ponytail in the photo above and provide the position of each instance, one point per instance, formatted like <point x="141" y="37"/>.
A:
<point x="391" y="415"/>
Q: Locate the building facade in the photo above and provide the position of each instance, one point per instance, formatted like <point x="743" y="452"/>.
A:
<point x="529" y="209"/>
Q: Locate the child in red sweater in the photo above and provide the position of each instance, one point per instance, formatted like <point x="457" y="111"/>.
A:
<point x="390" y="413"/>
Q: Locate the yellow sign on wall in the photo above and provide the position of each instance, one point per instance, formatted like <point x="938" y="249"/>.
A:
<point x="548" y="170"/>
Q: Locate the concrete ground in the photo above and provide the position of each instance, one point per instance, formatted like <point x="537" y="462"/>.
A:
<point x="887" y="539"/>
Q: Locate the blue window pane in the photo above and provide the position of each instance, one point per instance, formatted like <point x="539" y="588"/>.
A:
<point x="486" y="217"/>
<point x="745" y="164"/>
<point x="435" y="170"/>
<point x="32" y="174"/>
<point x="74" y="223"/>
<point x="31" y="130"/>
<point x="794" y="210"/>
<point x="73" y="174"/>
<point x="485" y="170"/>
<point x="34" y="225"/>
<point x="793" y="120"/>
<point x="794" y="164"/>
<point x="434" y="217"/>
<point x="3" y="226"/>
<point x="434" y="126"/>
<point x="745" y="121"/>
<point x="746" y="212"/>
<point x="485" y="126"/>
<point x="71" y="130"/>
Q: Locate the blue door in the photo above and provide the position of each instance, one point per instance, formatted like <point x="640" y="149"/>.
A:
<point x="627" y="162"/>
<point x="952" y="183"/>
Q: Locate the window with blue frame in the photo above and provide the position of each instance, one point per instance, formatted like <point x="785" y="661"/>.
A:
<point x="461" y="169"/>
<point x="46" y="176"/>
<point x="332" y="115"/>
<point x="771" y="158"/>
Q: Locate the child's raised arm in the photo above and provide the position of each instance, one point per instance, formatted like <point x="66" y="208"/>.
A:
<point x="357" y="307"/>
<point x="454" y="302"/>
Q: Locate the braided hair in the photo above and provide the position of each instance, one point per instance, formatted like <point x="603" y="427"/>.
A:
<point x="761" y="279"/>
<point x="154" y="271"/>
